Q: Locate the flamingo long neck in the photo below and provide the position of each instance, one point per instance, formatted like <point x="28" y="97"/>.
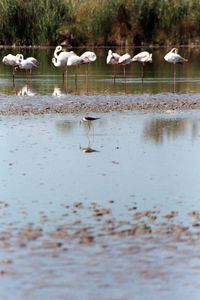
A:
<point x="57" y="50"/>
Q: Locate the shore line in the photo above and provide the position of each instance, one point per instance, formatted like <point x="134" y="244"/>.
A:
<point x="65" y="108"/>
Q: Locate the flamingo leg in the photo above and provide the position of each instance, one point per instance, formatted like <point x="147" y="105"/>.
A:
<point x="174" y="78"/>
<point x="124" y="67"/>
<point x="75" y="77"/>
<point x="13" y="72"/>
<point x="76" y="74"/>
<point x="87" y="78"/>
<point x="142" y="71"/>
<point x="66" y="72"/>
<point x="114" y="72"/>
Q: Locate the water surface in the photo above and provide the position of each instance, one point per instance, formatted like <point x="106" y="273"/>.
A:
<point x="158" y="75"/>
<point x="51" y="188"/>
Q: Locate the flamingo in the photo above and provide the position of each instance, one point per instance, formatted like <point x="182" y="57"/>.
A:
<point x="11" y="60"/>
<point x="88" y="57"/>
<point x="76" y="61"/>
<point x="28" y="64"/>
<point x="113" y="59"/>
<point x="62" y="58"/>
<point x="125" y="60"/>
<point x="173" y="57"/>
<point x="143" y="57"/>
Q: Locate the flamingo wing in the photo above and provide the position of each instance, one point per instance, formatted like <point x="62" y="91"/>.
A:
<point x="125" y="59"/>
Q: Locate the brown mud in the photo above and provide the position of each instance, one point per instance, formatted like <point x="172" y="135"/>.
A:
<point x="22" y="108"/>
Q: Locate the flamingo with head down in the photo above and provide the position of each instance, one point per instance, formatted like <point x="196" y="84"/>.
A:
<point x="173" y="57"/>
<point x="88" y="57"/>
<point x="113" y="59"/>
<point x="28" y="64"/>
<point x="124" y="60"/>
<point x="12" y="60"/>
<point x="142" y="57"/>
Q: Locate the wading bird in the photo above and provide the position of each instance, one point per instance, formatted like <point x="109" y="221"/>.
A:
<point x="88" y="57"/>
<point x="142" y="57"/>
<point x="61" y="59"/>
<point x="28" y="64"/>
<point x="124" y="60"/>
<point x="76" y="61"/>
<point x="113" y="59"/>
<point x="173" y="57"/>
<point x="88" y="121"/>
<point x="11" y="60"/>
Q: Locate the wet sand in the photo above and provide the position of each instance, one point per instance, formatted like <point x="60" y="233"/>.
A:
<point x="13" y="105"/>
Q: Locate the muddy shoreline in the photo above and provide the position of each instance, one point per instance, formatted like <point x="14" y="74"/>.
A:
<point x="39" y="107"/>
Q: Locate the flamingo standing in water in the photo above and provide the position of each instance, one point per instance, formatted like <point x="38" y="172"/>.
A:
<point x="113" y="59"/>
<point x="62" y="58"/>
<point x="88" y="57"/>
<point x="28" y="64"/>
<point x="11" y="60"/>
<point x="76" y="61"/>
<point x="143" y="57"/>
<point x="173" y="57"/>
<point x="124" y="60"/>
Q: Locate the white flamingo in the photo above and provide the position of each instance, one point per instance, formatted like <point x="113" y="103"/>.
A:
<point x="62" y="58"/>
<point x="76" y="61"/>
<point x="173" y="57"/>
<point x="28" y="64"/>
<point x="88" y="57"/>
<point x="113" y="59"/>
<point x="125" y="60"/>
<point x="142" y="57"/>
<point x="11" y="60"/>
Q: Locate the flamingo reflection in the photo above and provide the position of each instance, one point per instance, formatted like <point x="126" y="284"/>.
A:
<point x="27" y="90"/>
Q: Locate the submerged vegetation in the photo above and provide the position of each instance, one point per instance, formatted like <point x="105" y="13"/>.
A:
<point x="99" y="22"/>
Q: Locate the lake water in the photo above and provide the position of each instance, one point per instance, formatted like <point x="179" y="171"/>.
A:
<point x="158" y="75"/>
<point x="109" y="211"/>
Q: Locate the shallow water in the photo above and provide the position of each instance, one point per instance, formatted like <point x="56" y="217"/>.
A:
<point x="105" y="212"/>
<point x="158" y="75"/>
<point x="143" y="162"/>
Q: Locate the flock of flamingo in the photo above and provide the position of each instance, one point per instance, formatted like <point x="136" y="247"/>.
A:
<point x="64" y="59"/>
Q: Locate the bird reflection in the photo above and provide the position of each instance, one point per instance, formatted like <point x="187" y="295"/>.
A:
<point x="57" y="92"/>
<point x="158" y="129"/>
<point x="27" y="90"/>
<point x="88" y="149"/>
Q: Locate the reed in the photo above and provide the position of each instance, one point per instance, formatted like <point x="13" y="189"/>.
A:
<point x="100" y="22"/>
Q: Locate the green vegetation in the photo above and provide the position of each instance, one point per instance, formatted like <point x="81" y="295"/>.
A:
<point x="99" y="22"/>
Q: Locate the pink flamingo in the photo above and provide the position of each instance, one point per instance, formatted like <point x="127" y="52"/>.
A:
<point x="124" y="60"/>
<point x="113" y="59"/>
<point x="28" y="64"/>
<point x="173" y="57"/>
<point x="143" y="57"/>
<point x="62" y="58"/>
<point x="12" y="60"/>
